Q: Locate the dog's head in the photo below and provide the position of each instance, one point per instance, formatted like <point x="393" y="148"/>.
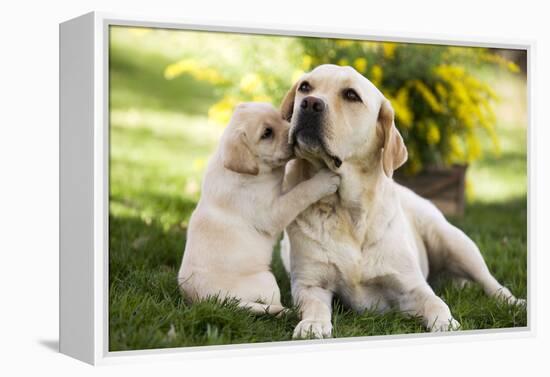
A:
<point x="256" y="139"/>
<point x="337" y="115"/>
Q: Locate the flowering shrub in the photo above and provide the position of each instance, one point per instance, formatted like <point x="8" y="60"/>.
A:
<point x="440" y="101"/>
<point x="250" y="68"/>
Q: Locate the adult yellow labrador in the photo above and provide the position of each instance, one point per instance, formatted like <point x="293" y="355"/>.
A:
<point x="374" y="242"/>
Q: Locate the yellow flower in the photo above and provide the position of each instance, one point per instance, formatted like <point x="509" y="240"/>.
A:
<point x="401" y="107"/>
<point x="220" y="112"/>
<point x="195" y="69"/>
<point x="441" y="90"/>
<point x="343" y="43"/>
<point x="432" y="135"/>
<point x="512" y="67"/>
<point x="343" y="62"/>
<point x="306" y="62"/>
<point x="501" y="61"/>
<point x="250" y="83"/>
<point x="428" y="96"/>
<point x="448" y="72"/>
<point x="176" y="69"/>
<point x="198" y="164"/>
<point x="474" y="147"/>
<point x="456" y="153"/>
<point x="389" y="50"/>
<point x="376" y="74"/>
<point x="360" y="65"/>
<point x="490" y="92"/>
<point x="210" y="75"/>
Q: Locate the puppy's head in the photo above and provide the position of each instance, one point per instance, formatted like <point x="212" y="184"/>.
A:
<point x="256" y="139"/>
<point x="338" y="115"/>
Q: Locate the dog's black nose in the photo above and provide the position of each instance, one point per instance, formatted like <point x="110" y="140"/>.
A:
<point x="312" y="104"/>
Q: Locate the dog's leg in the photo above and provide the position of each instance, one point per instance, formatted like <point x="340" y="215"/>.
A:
<point x="462" y="258"/>
<point x="259" y="293"/>
<point x="285" y="252"/>
<point x="315" y="305"/>
<point x="302" y="196"/>
<point x="460" y="282"/>
<point x="422" y="301"/>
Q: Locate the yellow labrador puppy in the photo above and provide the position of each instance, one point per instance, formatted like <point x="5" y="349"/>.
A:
<point x="242" y="211"/>
<point x="374" y="242"/>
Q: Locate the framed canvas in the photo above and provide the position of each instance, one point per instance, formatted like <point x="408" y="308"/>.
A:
<point x="229" y="189"/>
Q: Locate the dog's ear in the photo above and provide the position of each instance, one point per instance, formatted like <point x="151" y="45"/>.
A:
<point x="236" y="154"/>
<point x="287" y="106"/>
<point x="394" y="153"/>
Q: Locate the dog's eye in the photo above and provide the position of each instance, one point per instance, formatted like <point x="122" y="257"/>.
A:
<point x="351" y="95"/>
<point x="268" y="132"/>
<point x="304" y="87"/>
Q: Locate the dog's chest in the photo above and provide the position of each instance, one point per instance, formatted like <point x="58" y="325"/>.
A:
<point x="326" y="223"/>
<point x="339" y="247"/>
<point x="355" y="268"/>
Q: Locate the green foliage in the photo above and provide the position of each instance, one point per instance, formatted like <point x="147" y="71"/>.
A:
<point x="441" y="102"/>
<point x="247" y="68"/>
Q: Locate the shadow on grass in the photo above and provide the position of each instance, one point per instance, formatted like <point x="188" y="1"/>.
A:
<point x="145" y="245"/>
<point x="506" y="218"/>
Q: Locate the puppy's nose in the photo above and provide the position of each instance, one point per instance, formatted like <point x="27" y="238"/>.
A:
<point x="312" y="104"/>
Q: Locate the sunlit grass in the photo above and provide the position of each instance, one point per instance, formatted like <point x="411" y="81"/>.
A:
<point x="156" y="157"/>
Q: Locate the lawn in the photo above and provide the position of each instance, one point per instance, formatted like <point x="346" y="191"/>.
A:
<point x="160" y="141"/>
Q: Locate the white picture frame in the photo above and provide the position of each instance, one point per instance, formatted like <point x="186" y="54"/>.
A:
<point x="84" y="188"/>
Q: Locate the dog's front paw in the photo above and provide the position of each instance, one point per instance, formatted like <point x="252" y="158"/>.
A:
<point x="327" y="182"/>
<point x="520" y="302"/>
<point x="505" y="295"/>
<point x="445" y="325"/>
<point x="312" y="329"/>
<point x="516" y="301"/>
<point x="284" y="311"/>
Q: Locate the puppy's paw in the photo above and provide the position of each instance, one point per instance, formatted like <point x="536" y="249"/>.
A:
<point x="327" y="182"/>
<point x="307" y="329"/>
<point x="505" y="295"/>
<point x="461" y="283"/>
<point x="446" y="325"/>
<point x="517" y="301"/>
<point x="284" y="311"/>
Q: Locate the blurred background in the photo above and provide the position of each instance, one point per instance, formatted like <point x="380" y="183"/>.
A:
<point x="462" y="112"/>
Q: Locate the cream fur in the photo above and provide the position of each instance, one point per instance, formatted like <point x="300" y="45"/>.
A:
<point x="374" y="242"/>
<point x="242" y="211"/>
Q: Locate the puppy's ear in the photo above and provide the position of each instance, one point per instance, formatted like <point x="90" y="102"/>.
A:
<point x="236" y="154"/>
<point x="287" y="106"/>
<point x="394" y="153"/>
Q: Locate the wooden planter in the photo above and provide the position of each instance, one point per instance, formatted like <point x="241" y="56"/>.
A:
<point x="444" y="186"/>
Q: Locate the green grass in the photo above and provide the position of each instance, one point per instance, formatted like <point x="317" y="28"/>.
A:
<point x="160" y="139"/>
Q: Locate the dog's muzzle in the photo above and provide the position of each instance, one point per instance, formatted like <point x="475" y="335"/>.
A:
<point x="308" y="135"/>
<point x="308" y="129"/>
